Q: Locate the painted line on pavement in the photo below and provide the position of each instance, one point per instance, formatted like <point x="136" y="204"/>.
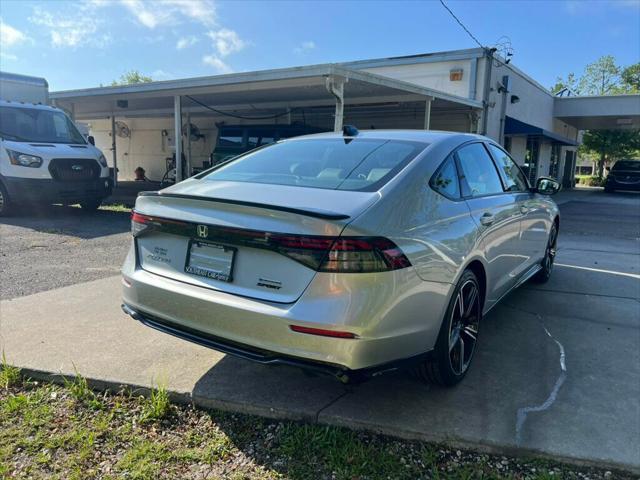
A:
<point x="524" y="411"/>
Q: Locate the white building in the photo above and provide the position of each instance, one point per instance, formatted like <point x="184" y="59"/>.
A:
<point x="464" y="90"/>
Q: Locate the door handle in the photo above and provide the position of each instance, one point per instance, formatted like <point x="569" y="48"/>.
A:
<point x="524" y="209"/>
<point x="486" y="219"/>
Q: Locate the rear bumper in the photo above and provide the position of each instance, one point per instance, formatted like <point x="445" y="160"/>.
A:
<point x="394" y="318"/>
<point x="622" y="185"/>
<point x="266" y="357"/>
<point x="37" y="190"/>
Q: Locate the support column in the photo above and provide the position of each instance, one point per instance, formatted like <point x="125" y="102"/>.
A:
<point x="335" y="86"/>
<point x="188" y="115"/>
<point x="427" y="114"/>
<point x="114" y="155"/>
<point x="177" y="126"/>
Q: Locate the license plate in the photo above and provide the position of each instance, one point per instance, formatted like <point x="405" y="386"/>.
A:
<point x="210" y="260"/>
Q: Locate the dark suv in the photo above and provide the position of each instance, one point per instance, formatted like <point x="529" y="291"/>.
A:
<point x="624" y="175"/>
<point x="236" y="139"/>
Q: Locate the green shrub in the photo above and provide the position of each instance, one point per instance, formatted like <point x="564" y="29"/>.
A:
<point x="590" y="180"/>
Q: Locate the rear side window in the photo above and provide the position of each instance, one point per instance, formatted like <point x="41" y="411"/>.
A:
<point x="514" y="178"/>
<point x="633" y="165"/>
<point x="330" y="163"/>
<point x="445" y="181"/>
<point x="479" y="175"/>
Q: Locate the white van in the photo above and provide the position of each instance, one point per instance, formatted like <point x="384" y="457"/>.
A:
<point x="45" y="159"/>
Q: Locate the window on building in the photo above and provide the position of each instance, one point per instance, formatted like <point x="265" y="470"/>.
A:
<point x="507" y="144"/>
<point x="445" y="181"/>
<point x="555" y="161"/>
<point x="479" y="174"/>
<point x="512" y="175"/>
<point x="530" y="167"/>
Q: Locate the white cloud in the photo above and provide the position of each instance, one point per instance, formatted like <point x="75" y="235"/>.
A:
<point x="305" y="47"/>
<point x="8" y="56"/>
<point x="78" y="30"/>
<point x="226" y="41"/>
<point x="185" y="42"/>
<point x="171" y="12"/>
<point x="11" y="36"/>
<point x="217" y="63"/>
<point x="162" y="75"/>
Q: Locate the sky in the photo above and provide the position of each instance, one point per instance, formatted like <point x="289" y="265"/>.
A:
<point x="85" y="44"/>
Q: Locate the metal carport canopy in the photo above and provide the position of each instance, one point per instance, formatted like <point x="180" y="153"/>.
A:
<point x="251" y="91"/>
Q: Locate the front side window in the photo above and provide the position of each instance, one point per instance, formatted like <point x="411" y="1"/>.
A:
<point x="512" y="175"/>
<point x="358" y="164"/>
<point x="445" y="180"/>
<point x="38" y="125"/>
<point x="479" y="174"/>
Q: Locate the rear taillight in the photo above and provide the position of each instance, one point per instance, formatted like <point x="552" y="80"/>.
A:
<point x="364" y="254"/>
<point x="343" y="254"/>
<point x="139" y="223"/>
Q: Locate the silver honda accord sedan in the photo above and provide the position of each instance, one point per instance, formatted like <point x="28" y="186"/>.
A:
<point x="351" y="254"/>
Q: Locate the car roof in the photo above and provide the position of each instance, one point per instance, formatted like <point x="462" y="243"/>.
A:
<point x="39" y="106"/>
<point x="423" y="136"/>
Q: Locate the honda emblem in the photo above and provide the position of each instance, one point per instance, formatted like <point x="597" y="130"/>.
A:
<point x="203" y="231"/>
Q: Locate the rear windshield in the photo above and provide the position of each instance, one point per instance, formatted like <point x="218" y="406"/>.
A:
<point x="336" y="164"/>
<point x="627" y="165"/>
<point x="37" y="125"/>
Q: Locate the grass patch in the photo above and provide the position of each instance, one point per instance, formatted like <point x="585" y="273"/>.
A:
<point x="115" y="207"/>
<point x="10" y="376"/>
<point x="157" y="406"/>
<point x="50" y="431"/>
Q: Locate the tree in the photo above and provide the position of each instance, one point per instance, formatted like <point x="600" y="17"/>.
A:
<point x="132" y="76"/>
<point x="570" y="83"/>
<point x="611" y="145"/>
<point x="631" y="78"/>
<point x="601" y="77"/>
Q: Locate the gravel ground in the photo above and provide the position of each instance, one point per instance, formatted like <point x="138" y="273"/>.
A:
<point x="59" y="246"/>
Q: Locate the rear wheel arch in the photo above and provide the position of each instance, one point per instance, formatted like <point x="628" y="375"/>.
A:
<point x="478" y="269"/>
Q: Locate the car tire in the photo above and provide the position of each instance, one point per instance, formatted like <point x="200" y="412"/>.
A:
<point x="544" y="274"/>
<point x="91" y="204"/>
<point x="5" y="202"/>
<point x="450" y="360"/>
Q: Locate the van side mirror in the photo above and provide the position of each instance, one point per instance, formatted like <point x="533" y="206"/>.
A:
<point x="91" y="140"/>
<point x="547" y="186"/>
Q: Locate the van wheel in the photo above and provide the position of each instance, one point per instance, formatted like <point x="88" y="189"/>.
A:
<point x="91" y="204"/>
<point x="456" y="342"/>
<point x="5" y="205"/>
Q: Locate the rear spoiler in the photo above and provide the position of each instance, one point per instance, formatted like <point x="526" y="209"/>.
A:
<point x="309" y="212"/>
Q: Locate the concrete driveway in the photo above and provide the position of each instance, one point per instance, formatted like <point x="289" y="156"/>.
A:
<point x="557" y="371"/>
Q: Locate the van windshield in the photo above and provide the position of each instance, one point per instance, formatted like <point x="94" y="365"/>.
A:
<point x="37" y="125"/>
<point x="337" y="164"/>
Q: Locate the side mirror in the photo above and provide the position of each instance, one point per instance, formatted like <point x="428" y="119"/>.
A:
<point x="547" y="186"/>
<point x="91" y="140"/>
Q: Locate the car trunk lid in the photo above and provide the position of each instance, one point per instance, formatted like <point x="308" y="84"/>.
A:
<point x="229" y="236"/>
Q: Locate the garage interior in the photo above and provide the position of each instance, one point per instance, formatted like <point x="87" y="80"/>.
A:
<point x="136" y="125"/>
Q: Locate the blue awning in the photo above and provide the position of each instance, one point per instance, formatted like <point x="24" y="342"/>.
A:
<point x="516" y="127"/>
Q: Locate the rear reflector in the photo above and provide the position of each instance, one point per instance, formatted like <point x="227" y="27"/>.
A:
<point x="320" y="253"/>
<point x="322" y="332"/>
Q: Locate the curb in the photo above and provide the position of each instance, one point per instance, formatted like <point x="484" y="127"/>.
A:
<point x="186" y="398"/>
